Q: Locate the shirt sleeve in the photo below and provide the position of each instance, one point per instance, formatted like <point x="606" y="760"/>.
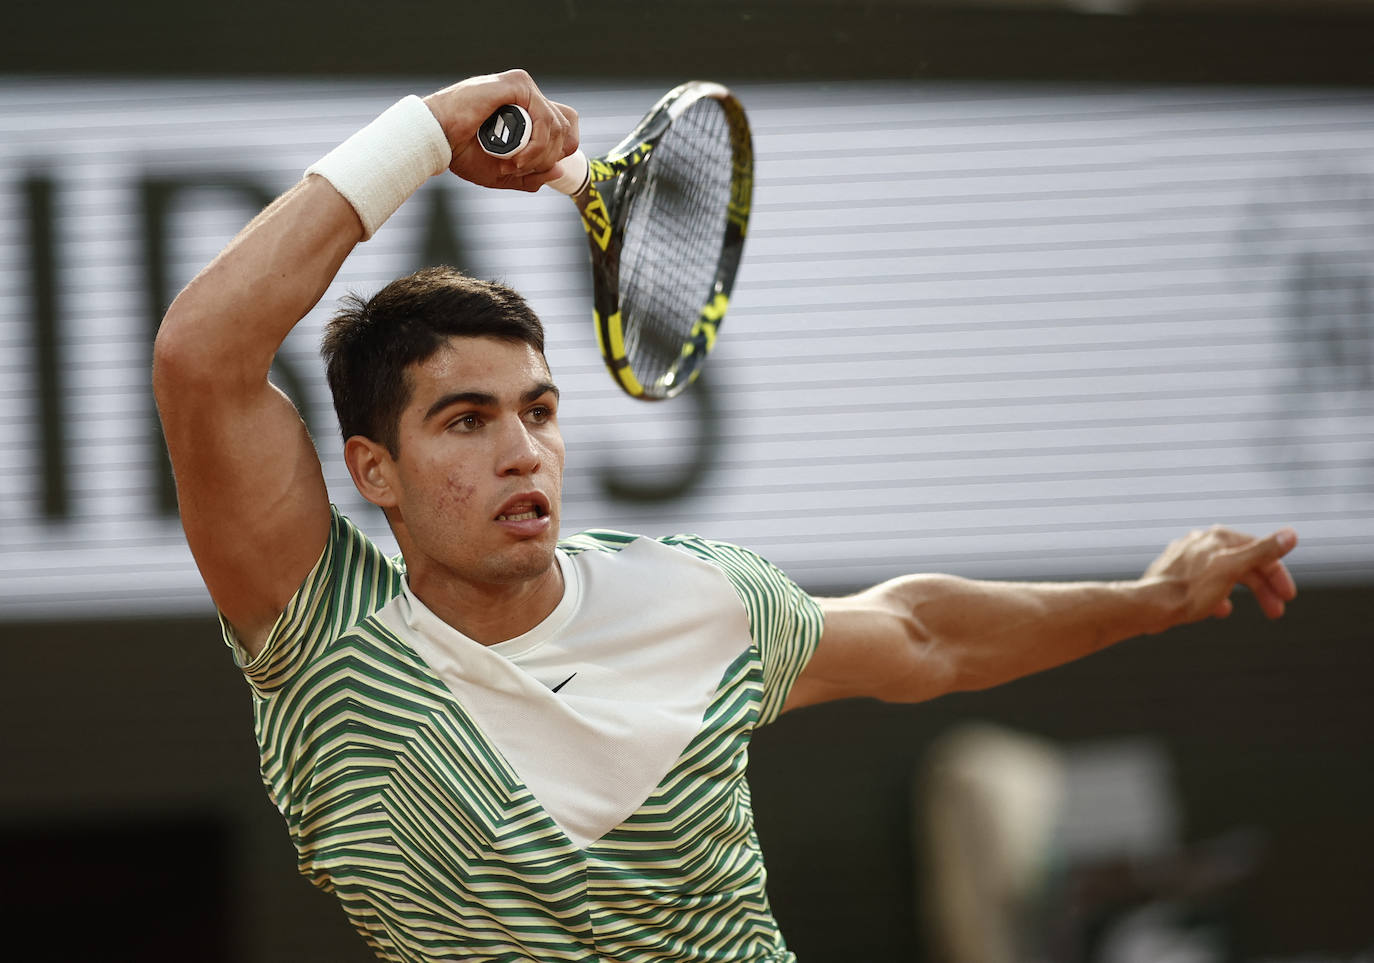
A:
<point x="784" y="621"/>
<point x="351" y="579"/>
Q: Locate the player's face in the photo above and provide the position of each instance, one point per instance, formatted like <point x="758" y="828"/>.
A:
<point x="480" y="468"/>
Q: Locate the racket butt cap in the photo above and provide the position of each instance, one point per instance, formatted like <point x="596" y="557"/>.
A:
<point x="505" y="132"/>
<point x="574" y="173"/>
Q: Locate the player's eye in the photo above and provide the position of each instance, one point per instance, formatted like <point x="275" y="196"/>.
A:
<point x="468" y="422"/>
<point x="540" y="414"/>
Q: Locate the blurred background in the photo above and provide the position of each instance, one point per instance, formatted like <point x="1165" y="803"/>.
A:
<point x="1032" y="287"/>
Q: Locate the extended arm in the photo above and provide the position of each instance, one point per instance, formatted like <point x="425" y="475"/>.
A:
<point x="251" y="492"/>
<point x="922" y="636"/>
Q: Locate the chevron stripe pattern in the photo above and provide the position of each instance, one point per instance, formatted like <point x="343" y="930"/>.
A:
<point x="399" y="804"/>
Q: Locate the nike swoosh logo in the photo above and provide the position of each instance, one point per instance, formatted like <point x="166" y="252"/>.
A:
<point x="563" y="683"/>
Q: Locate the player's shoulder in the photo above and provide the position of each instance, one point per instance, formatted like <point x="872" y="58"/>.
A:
<point x="356" y="569"/>
<point x="604" y="540"/>
<point x="719" y="554"/>
<point x="604" y="543"/>
<point x="355" y="544"/>
<point x="611" y="540"/>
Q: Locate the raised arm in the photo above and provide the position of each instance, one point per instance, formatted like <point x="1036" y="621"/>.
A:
<point x="919" y="637"/>
<point x="250" y="489"/>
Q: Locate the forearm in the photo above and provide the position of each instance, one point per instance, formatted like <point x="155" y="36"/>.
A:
<point x="987" y="633"/>
<point x="922" y="636"/>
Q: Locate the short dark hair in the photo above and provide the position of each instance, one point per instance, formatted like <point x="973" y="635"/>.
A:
<point x="368" y="345"/>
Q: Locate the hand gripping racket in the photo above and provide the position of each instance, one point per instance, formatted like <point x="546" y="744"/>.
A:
<point x="666" y="212"/>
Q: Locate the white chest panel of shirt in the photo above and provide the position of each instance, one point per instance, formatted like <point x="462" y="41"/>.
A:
<point x="636" y="648"/>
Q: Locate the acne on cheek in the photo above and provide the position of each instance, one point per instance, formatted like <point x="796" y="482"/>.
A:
<point x="456" y="493"/>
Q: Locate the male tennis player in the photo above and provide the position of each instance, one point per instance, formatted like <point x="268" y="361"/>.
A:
<point x="501" y="746"/>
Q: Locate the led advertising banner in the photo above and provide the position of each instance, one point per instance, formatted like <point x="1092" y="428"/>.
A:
<point x="1027" y="332"/>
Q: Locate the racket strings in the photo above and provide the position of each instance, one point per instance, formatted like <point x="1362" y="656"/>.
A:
<point x="674" y="236"/>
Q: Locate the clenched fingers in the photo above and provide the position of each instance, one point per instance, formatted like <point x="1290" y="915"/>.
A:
<point x="462" y="107"/>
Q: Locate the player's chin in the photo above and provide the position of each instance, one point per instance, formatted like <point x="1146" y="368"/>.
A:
<point x="524" y="561"/>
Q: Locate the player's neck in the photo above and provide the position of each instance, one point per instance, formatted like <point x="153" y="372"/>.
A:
<point x="489" y="613"/>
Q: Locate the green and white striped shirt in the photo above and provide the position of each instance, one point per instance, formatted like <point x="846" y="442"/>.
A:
<point x="578" y="793"/>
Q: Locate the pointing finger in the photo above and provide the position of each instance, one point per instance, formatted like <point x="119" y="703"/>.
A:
<point x="1260" y="553"/>
<point x="1282" y="541"/>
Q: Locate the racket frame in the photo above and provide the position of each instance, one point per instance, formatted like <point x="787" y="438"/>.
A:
<point x="605" y="202"/>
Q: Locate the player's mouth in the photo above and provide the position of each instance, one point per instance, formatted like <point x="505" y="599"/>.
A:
<point x="524" y="508"/>
<point x="535" y="512"/>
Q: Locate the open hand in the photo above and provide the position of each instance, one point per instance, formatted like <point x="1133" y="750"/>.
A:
<point x="1207" y="564"/>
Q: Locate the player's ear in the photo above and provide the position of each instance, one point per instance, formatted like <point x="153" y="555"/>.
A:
<point x="371" y="466"/>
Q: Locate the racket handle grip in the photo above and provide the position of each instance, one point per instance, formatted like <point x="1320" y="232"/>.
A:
<point x="573" y="174"/>
<point x="506" y="132"/>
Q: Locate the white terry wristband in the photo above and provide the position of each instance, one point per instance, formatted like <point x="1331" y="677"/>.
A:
<point x="380" y="166"/>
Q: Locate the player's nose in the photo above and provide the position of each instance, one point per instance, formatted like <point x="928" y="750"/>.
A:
<point x="521" y="453"/>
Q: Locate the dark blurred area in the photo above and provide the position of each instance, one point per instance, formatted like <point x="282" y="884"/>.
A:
<point x="131" y="815"/>
<point x="1187" y="41"/>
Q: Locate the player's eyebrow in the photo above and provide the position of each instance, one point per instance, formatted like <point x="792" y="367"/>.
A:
<point x="477" y="399"/>
<point x="539" y="390"/>
<point x="482" y="399"/>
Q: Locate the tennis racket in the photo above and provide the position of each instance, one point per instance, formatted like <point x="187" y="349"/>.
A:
<point x="666" y="212"/>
